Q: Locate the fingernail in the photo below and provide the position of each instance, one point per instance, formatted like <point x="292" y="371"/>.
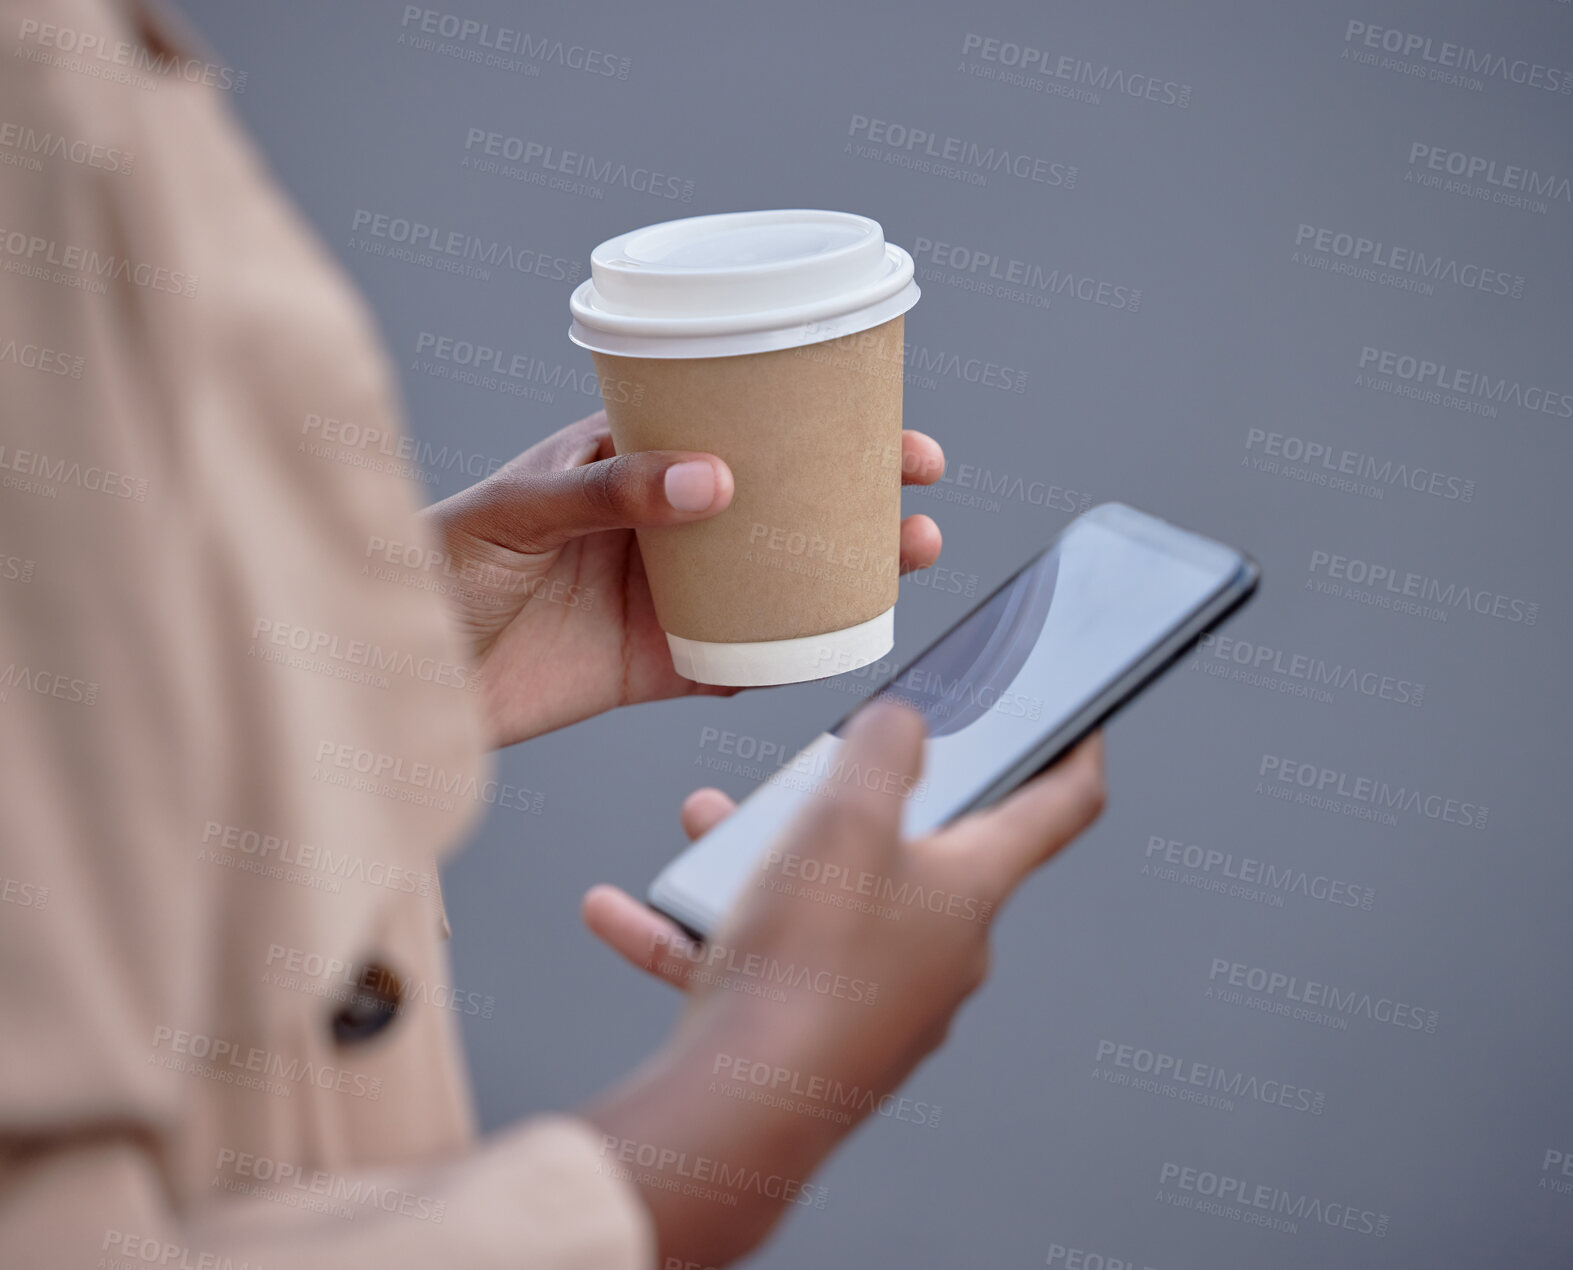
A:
<point x="690" y="487"/>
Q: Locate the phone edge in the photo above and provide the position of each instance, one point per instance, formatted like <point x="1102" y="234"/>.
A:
<point x="1227" y="600"/>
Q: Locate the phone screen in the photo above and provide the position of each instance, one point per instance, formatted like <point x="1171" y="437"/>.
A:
<point x="1015" y="671"/>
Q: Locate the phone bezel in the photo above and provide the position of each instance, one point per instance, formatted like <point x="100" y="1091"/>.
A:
<point x="1229" y="596"/>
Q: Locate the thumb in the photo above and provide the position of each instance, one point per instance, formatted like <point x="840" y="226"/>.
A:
<point x="535" y="511"/>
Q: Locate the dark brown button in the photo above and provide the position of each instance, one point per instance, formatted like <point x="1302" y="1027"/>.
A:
<point x="375" y="997"/>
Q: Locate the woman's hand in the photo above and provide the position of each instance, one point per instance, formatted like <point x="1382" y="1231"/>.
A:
<point x="801" y="993"/>
<point x="553" y="593"/>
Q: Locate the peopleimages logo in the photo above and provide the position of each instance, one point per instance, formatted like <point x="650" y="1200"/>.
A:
<point x="1219" y="868"/>
<point x="924" y="150"/>
<point x="576" y="172"/>
<point x="1509" y="179"/>
<point x="1205" y="1082"/>
<point x="678" y="1171"/>
<point x="805" y="770"/>
<point x="1067" y="75"/>
<point x="982" y="487"/>
<point x="1325" y="786"/>
<point x="755" y="1080"/>
<point x="43" y="475"/>
<point x="221" y="841"/>
<point x="96" y="55"/>
<point x="1361" y="257"/>
<point x="511" y="372"/>
<point x="1280" y="992"/>
<point x="334" y="654"/>
<point x="1338" y="461"/>
<point x="22" y="147"/>
<point x="296" y="1186"/>
<point x="1448" y="62"/>
<point x="47" y="361"/>
<point x="1434" y="382"/>
<point x="379" y="448"/>
<point x="1389" y="586"/>
<point x="1556" y="1170"/>
<point x="127" y="1249"/>
<point x="989" y="273"/>
<point x="416" y="782"/>
<point x="1067" y="1258"/>
<point x="47" y="683"/>
<point x="455" y="251"/>
<point x="333" y="978"/>
<point x="234" y="1062"/>
<point x="1257" y="1204"/>
<point x="919" y="366"/>
<point x="32" y="255"/>
<point x="506" y="47"/>
<point x="1257" y="664"/>
<point x="858" y="888"/>
<point x="941" y="696"/>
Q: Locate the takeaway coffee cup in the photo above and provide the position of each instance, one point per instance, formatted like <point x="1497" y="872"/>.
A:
<point x="773" y="339"/>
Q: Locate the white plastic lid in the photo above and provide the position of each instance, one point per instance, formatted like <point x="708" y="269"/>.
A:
<point x="740" y="282"/>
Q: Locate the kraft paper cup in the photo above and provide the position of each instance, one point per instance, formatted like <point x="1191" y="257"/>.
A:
<point x="773" y="339"/>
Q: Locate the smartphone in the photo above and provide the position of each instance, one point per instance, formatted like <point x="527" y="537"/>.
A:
<point x="1063" y="643"/>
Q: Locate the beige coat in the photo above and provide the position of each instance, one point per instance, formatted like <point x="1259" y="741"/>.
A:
<point x="235" y="738"/>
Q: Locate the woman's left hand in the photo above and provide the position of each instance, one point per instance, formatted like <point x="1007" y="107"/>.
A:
<point x="551" y="588"/>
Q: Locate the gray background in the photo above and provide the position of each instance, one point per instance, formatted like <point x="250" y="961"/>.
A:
<point x="1198" y="208"/>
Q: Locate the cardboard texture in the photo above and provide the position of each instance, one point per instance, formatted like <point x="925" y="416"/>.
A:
<point x="811" y="542"/>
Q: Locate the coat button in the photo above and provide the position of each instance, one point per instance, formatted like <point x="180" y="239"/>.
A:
<point x="374" y="1001"/>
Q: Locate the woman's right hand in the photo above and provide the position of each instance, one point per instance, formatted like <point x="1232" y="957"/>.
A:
<point x="814" y="1001"/>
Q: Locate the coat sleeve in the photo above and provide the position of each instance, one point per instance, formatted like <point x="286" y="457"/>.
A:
<point x="157" y="500"/>
<point x="532" y="1198"/>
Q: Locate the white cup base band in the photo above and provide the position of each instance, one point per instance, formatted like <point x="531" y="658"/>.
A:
<point x="784" y="661"/>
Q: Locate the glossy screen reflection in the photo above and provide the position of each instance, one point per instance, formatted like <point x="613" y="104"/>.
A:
<point x="993" y="688"/>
